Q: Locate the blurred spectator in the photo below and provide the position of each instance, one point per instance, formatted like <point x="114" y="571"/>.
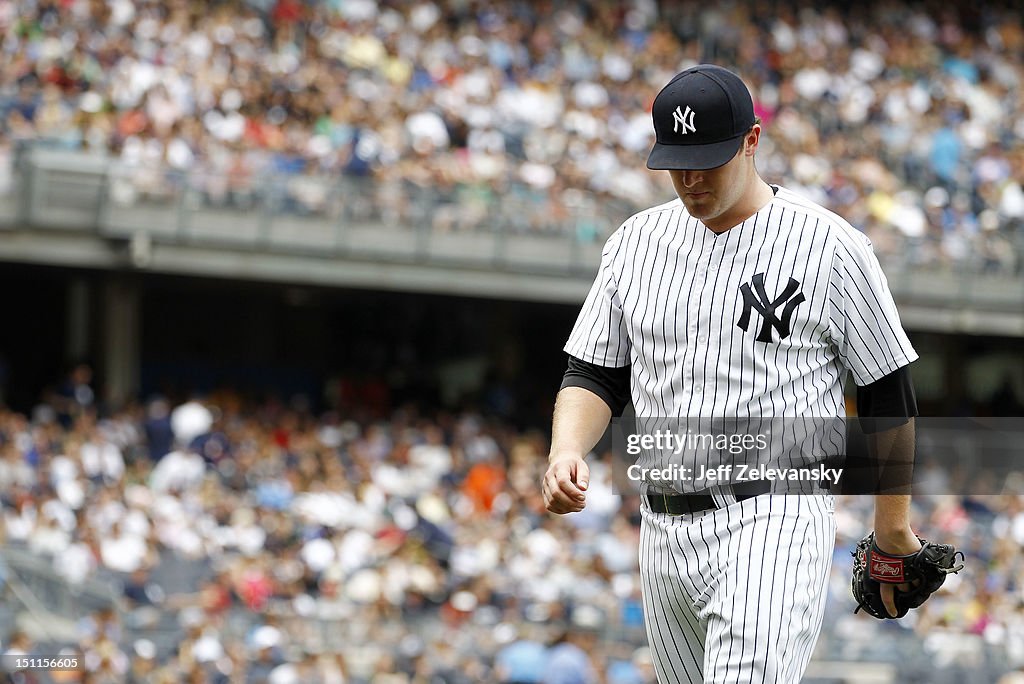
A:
<point x="75" y="396"/>
<point x="484" y="482"/>
<point x="159" y="432"/>
<point x="569" y="661"/>
<point x="521" y="662"/>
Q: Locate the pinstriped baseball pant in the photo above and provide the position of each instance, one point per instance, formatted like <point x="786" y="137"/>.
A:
<point x="737" y="594"/>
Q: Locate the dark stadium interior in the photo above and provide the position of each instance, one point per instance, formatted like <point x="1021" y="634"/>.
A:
<point x="32" y="349"/>
<point x="276" y="340"/>
<point x="279" y="340"/>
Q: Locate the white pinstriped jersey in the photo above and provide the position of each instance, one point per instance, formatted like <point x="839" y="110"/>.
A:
<point x="761" y="320"/>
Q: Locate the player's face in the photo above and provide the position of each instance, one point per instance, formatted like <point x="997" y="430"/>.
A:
<point x="716" y="196"/>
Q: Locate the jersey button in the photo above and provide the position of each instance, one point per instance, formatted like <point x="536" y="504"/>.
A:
<point x="712" y="267"/>
<point x="697" y="388"/>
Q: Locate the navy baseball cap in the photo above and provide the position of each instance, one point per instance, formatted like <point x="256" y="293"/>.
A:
<point x="699" y="119"/>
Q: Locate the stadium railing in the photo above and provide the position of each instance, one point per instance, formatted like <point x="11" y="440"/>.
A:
<point x="53" y="605"/>
<point x="515" y="229"/>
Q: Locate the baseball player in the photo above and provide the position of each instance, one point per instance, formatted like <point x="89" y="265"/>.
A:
<point x="737" y="299"/>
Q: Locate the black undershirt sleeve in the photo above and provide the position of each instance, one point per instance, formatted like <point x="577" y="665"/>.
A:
<point x="884" y="404"/>
<point x="888" y="402"/>
<point x="611" y="384"/>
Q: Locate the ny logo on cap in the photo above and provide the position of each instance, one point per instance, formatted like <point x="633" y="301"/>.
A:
<point x="757" y="300"/>
<point x="684" y="119"/>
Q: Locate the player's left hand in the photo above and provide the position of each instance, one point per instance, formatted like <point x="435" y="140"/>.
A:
<point x="902" y="542"/>
<point x="894" y="573"/>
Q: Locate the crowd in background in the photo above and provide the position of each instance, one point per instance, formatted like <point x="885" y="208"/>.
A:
<point x="262" y="542"/>
<point x="265" y="542"/>
<point x="906" y="118"/>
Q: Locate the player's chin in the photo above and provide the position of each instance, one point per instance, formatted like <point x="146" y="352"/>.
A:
<point x="699" y="206"/>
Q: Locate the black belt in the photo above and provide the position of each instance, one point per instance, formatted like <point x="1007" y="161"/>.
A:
<point x="683" y="504"/>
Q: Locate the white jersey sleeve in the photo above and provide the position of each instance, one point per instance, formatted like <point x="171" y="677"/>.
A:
<point x="863" y="321"/>
<point x="599" y="336"/>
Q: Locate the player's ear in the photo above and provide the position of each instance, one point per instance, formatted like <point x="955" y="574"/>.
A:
<point x="752" y="139"/>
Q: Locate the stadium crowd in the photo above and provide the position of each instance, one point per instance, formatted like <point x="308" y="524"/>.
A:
<point x="906" y="118"/>
<point x="263" y="543"/>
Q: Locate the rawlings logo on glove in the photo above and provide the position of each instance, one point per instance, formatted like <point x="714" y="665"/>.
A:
<point x="886" y="568"/>
<point x="925" y="571"/>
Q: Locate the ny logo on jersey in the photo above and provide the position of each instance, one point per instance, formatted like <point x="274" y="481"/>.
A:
<point x="758" y="299"/>
<point x="684" y="119"/>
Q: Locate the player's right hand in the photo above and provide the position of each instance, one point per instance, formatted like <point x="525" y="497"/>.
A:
<point x="565" y="484"/>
